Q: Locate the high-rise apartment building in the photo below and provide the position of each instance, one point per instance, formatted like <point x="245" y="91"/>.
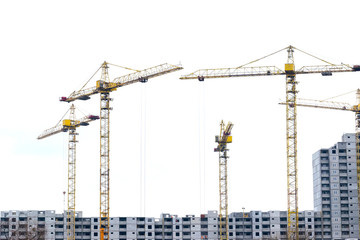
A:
<point x="335" y="187"/>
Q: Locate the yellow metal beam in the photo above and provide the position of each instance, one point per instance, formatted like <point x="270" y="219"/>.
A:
<point x="223" y="139"/>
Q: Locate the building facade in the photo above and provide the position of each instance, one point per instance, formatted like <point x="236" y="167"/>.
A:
<point x="248" y="225"/>
<point x="335" y="187"/>
<point x="335" y="215"/>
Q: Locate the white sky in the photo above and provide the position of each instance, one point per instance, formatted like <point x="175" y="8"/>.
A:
<point x="49" y="48"/>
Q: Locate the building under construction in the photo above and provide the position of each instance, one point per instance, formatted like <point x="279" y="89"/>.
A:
<point x="242" y="225"/>
<point x="335" y="215"/>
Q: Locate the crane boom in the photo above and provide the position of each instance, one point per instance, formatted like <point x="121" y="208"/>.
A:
<point x="138" y="76"/>
<point x="66" y="124"/>
<point x="325" y="104"/>
<point x="267" y="71"/>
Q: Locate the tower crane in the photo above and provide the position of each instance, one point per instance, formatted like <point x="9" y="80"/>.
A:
<point x="104" y="87"/>
<point x="223" y="139"/>
<point x="70" y="125"/>
<point x="343" y="107"/>
<point x="291" y="119"/>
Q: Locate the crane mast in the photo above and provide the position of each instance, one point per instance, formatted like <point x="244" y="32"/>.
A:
<point x="70" y="125"/>
<point x="223" y="139"/>
<point x="291" y="147"/>
<point x="291" y="113"/>
<point x="357" y="142"/>
<point x="104" y="154"/>
<point x="104" y="86"/>
<point x="71" y="176"/>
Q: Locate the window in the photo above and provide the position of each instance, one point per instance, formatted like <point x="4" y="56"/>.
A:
<point x="95" y="234"/>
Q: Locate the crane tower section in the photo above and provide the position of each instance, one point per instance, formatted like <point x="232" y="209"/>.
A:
<point x="223" y="139"/>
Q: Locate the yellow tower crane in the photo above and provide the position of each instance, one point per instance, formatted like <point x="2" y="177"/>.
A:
<point x="343" y="107"/>
<point x="223" y="139"/>
<point x="291" y="119"/>
<point x="104" y="86"/>
<point x="70" y="125"/>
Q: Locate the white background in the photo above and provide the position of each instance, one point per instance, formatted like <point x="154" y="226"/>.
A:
<point x="50" y="48"/>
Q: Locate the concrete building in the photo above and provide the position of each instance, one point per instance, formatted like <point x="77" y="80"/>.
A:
<point x="250" y="225"/>
<point x="335" y="187"/>
<point x="335" y="215"/>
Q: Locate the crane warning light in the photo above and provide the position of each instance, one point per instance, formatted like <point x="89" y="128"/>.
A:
<point x="63" y="99"/>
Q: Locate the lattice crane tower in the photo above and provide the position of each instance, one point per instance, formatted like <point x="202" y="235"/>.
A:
<point x="223" y="139"/>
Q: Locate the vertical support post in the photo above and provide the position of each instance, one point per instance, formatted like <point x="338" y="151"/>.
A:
<point x="71" y="176"/>
<point x="104" y="155"/>
<point x="291" y="148"/>
<point x="243" y="223"/>
<point x="357" y="142"/>
<point x="223" y="193"/>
